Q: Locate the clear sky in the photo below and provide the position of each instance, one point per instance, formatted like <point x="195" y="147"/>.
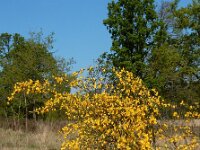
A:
<point x="77" y="24"/>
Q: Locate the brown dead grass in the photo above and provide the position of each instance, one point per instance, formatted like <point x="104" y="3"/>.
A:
<point x="44" y="137"/>
<point x="194" y="125"/>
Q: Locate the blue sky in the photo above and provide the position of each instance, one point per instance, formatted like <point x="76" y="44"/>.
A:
<point x="77" y="24"/>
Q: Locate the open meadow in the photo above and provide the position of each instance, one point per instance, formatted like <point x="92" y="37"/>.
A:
<point x="41" y="136"/>
<point x="46" y="136"/>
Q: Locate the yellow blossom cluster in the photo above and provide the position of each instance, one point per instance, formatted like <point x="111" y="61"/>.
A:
<point x="28" y="87"/>
<point x="125" y="115"/>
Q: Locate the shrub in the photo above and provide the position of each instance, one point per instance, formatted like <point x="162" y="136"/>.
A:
<point x="124" y="115"/>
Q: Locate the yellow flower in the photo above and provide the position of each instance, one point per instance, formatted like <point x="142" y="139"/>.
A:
<point x="122" y="116"/>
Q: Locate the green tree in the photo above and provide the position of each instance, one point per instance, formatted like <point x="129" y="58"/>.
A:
<point x="188" y="43"/>
<point x="23" y="59"/>
<point x="174" y="67"/>
<point x="133" y="26"/>
<point x="161" y="47"/>
<point x="164" y="70"/>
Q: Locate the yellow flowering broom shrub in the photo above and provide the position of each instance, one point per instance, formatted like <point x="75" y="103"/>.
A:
<point x="124" y="115"/>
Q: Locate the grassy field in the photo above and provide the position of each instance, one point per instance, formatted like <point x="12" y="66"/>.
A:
<point x="44" y="137"/>
<point x="19" y="140"/>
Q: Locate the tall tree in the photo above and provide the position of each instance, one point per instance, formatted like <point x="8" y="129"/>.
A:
<point x="133" y="25"/>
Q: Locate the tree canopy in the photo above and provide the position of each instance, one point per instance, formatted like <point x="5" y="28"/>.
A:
<point x="23" y="59"/>
<point x="133" y="25"/>
<point x="160" y="44"/>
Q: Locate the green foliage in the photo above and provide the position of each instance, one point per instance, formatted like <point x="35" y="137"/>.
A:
<point x="163" y="68"/>
<point x="132" y="25"/>
<point x="162" y="48"/>
<point x="176" y="66"/>
<point x="22" y="59"/>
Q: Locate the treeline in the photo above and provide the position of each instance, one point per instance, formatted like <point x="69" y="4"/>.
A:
<point x="23" y="59"/>
<point x="161" y="45"/>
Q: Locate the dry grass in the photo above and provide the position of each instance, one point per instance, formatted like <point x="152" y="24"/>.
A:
<point x="43" y="138"/>
<point x="194" y="125"/>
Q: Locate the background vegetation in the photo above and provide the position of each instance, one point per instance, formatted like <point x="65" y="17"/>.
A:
<point x="161" y="45"/>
